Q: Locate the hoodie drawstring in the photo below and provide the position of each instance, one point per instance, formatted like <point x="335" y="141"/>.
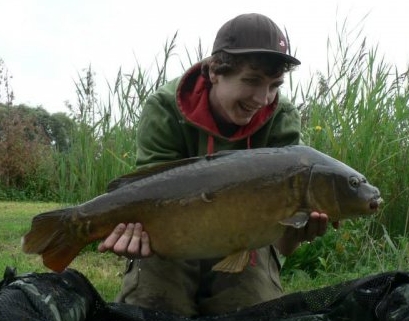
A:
<point x="210" y="144"/>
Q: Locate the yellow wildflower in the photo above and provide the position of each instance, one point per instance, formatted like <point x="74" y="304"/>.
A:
<point x="339" y="247"/>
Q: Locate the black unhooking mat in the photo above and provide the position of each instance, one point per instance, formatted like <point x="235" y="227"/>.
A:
<point x="69" y="296"/>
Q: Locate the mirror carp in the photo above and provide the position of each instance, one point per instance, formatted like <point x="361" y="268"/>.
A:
<point x="221" y="205"/>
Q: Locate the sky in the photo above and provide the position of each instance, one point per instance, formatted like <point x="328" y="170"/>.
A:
<point x="45" y="44"/>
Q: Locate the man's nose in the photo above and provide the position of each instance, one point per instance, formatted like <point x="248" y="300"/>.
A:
<point x="262" y="96"/>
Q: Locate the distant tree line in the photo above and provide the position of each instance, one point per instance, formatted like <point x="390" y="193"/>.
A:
<point x="29" y="139"/>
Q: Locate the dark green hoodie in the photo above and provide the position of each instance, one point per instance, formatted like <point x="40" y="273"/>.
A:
<point x="176" y="123"/>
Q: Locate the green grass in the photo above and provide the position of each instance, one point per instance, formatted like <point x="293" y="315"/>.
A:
<point x="103" y="270"/>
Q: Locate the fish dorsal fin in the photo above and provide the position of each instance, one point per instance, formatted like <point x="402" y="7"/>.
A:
<point x="298" y="220"/>
<point x="234" y="263"/>
<point x="145" y="172"/>
<point x="221" y="153"/>
<point x="161" y="167"/>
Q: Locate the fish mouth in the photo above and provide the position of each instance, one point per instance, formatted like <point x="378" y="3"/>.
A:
<point x="375" y="202"/>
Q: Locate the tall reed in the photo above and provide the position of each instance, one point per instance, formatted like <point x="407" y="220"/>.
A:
<point x="103" y="142"/>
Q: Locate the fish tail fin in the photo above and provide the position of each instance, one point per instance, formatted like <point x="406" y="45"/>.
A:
<point x="50" y="238"/>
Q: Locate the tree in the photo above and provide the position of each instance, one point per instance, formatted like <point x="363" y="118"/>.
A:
<point x="29" y="138"/>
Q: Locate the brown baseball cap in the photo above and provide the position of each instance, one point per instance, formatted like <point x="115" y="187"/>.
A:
<point x="252" y="32"/>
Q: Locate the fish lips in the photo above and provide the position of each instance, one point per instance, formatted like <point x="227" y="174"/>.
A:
<point x="375" y="203"/>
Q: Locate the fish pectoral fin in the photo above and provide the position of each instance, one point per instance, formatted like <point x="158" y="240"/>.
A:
<point x="234" y="263"/>
<point x="298" y="220"/>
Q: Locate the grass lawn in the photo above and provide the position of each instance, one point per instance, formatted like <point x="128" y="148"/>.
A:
<point x="103" y="270"/>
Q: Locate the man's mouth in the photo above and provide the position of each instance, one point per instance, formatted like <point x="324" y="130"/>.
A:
<point x="249" y="108"/>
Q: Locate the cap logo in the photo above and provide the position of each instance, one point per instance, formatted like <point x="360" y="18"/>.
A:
<point x="282" y="43"/>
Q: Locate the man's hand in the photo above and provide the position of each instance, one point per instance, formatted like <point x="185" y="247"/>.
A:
<point x="292" y="238"/>
<point x="128" y="240"/>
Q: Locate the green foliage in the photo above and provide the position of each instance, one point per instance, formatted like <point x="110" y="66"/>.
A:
<point x="28" y="139"/>
<point x="25" y="155"/>
<point x="347" y="253"/>
<point x="337" y="251"/>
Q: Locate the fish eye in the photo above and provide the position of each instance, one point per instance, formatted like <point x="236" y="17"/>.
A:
<point x="354" y="181"/>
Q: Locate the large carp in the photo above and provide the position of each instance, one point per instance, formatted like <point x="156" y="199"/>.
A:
<point x="217" y="206"/>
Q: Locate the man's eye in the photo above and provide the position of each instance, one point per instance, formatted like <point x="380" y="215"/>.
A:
<point x="275" y="86"/>
<point x="251" y="81"/>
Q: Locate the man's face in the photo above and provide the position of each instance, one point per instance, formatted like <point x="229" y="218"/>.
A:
<point x="238" y="97"/>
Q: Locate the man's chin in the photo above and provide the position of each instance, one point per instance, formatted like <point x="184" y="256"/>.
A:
<point x="242" y="121"/>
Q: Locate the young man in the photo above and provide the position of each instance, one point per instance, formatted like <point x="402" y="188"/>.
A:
<point x="229" y="101"/>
